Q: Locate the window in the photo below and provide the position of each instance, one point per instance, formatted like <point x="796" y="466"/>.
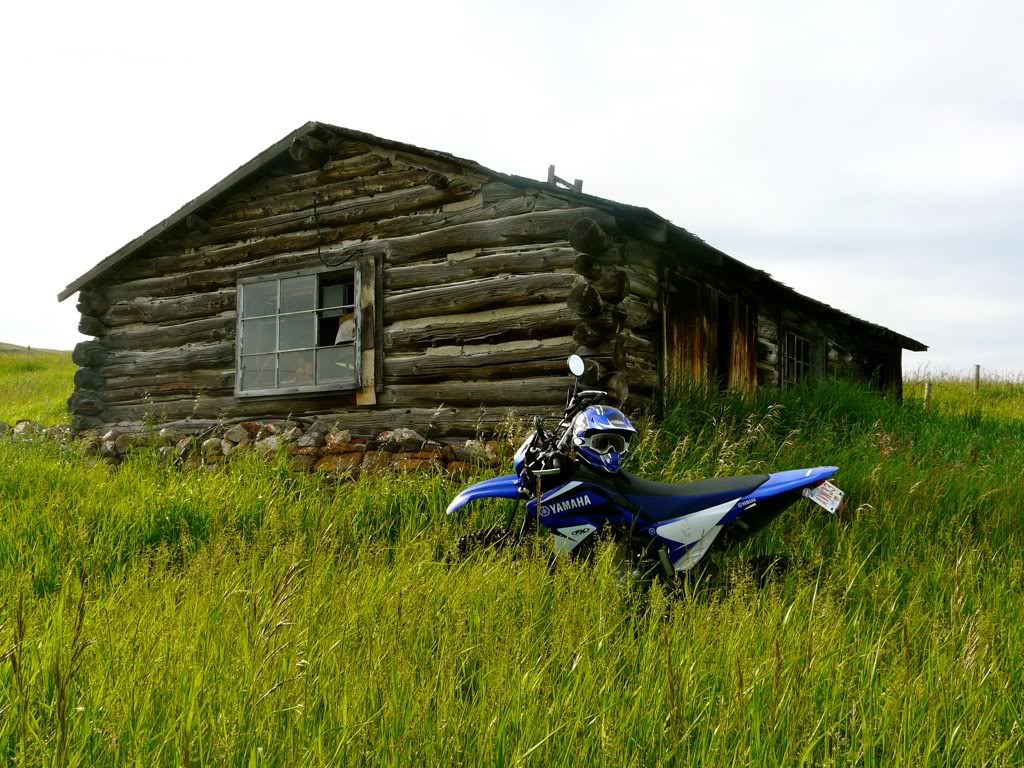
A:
<point x="298" y="333"/>
<point x="797" y="358"/>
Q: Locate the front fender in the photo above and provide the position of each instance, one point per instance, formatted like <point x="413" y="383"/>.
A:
<point x="503" y="487"/>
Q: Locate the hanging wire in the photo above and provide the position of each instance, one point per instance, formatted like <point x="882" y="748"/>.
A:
<point x="319" y="237"/>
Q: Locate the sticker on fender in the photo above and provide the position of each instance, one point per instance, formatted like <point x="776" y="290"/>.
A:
<point x="826" y="495"/>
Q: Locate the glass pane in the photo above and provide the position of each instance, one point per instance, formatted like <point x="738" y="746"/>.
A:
<point x="259" y="335"/>
<point x="295" y="369"/>
<point x="258" y="372"/>
<point x="297" y="293"/>
<point x="336" y="365"/>
<point x="337" y="291"/>
<point x="296" y="331"/>
<point x="259" y="299"/>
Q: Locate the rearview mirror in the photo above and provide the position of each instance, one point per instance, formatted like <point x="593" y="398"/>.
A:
<point x="576" y="366"/>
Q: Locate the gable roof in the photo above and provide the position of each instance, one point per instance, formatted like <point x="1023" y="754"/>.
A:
<point x="674" y="233"/>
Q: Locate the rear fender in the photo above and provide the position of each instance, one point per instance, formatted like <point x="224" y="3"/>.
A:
<point x="503" y="487"/>
<point x="793" y="480"/>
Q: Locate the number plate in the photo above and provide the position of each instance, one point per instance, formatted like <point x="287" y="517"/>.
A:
<point x="826" y="495"/>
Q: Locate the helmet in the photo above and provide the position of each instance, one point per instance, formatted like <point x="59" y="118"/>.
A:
<point x="601" y="435"/>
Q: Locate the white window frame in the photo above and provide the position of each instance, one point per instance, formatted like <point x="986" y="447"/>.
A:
<point x="307" y="388"/>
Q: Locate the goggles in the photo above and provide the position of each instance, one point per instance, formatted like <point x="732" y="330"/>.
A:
<point x="606" y="442"/>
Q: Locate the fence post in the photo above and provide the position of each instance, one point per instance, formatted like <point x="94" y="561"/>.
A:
<point x="977" y="379"/>
<point x="927" y="394"/>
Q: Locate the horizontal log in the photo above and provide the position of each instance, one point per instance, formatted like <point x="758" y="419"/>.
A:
<point x="639" y="314"/>
<point x="202" y="280"/>
<point x="587" y="266"/>
<point x="184" y="358"/>
<point x="364" y="164"/>
<point x="598" y="330"/>
<point x="85" y="403"/>
<point x="146" y="337"/>
<point x="89" y="378"/>
<point x="91" y="302"/>
<point x="223" y="406"/>
<point x="351" y="220"/>
<point x="482" y="361"/>
<point x="347" y="213"/>
<point x="546" y="390"/>
<point x="167" y="393"/>
<point x="90" y="354"/>
<point x="431" y="423"/>
<point x="643" y="285"/>
<point x="292" y="202"/>
<point x="588" y="236"/>
<point x="493" y="325"/>
<point x="91" y="326"/>
<point x="134" y="388"/>
<point x="620" y="345"/>
<point x="643" y="378"/>
<point x="613" y="286"/>
<point x="513" y="262"/>
<point x="613" y="352"/>
<point x="512" y="230"/>
<point x="584" y="299"/>
<point x="178" y="308"/>
<point x="476" y="295"/>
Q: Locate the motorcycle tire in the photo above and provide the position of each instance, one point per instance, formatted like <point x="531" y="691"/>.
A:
<point x="495" y="536"/>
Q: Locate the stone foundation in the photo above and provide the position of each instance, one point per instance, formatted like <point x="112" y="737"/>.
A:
<point x="318" y="447"/>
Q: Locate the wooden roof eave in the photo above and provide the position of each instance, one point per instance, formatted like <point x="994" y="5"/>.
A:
<point x="240" y="174"/>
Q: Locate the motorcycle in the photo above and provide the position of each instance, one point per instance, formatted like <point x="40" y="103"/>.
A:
<point x="574" y="486"/>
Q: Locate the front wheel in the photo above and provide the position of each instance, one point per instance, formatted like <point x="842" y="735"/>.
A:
<point x="495" y="536"/>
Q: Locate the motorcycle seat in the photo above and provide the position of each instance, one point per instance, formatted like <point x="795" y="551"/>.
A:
<point x="664" y="501"/>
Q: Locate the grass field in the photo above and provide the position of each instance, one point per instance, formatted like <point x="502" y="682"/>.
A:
<point x="249" y="616"/>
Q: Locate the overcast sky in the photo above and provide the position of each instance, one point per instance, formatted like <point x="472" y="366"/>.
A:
<point x="869" y="154"/>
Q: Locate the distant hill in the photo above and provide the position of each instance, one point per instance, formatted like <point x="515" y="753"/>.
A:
<point x="5" y="347"/>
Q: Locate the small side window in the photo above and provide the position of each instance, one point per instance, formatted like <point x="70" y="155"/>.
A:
<point x="797" y="358"/>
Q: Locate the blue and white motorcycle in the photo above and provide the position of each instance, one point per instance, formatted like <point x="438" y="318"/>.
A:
<point x="573" y="484"/>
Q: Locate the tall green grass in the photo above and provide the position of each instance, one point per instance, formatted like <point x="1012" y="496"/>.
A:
<point x="35" y="385"/>
<point x="250" y="616"/>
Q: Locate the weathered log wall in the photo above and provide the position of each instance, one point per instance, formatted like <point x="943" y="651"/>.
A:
<point x="837" y="351"/>
<point x="476" y="279"/>
<point x="475" y="291"/>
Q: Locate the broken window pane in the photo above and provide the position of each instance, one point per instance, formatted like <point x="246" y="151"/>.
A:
<point x="335" y="326"/>
<point x="337" y="291"/>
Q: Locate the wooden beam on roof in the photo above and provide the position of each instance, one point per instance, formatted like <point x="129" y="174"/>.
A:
<point x="309" y="151"/>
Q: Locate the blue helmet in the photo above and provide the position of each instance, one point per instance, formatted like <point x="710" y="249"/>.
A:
<point x="601" y="435"/>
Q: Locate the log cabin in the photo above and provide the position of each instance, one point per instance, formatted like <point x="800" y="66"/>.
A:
<point x="377" y="284"/>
